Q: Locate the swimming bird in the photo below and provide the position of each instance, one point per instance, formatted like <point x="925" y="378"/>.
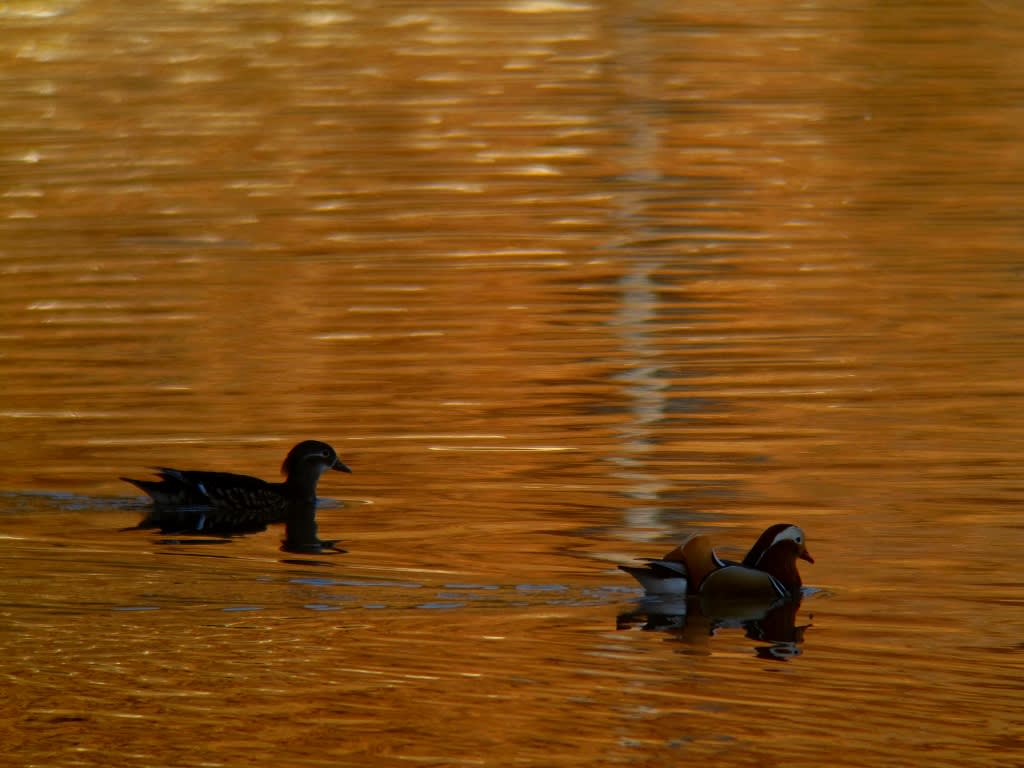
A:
<point x="226" y="503"/>
<point x="768" y="572"/>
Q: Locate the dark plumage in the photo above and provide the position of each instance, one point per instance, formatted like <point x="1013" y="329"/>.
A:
<point x="226" y="503"/>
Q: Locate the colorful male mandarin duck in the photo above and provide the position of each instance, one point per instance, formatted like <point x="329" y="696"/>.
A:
<point x="767" y="573"/>
<point x="226" y="503"/>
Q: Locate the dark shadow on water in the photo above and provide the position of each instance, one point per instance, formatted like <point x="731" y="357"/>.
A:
<point x="692" y="622"/>
<point x="316" y="547"/>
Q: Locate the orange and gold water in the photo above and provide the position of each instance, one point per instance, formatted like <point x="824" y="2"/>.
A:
<point x="562" y="282"/>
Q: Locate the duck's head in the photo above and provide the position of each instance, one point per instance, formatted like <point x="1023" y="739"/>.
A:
<point x="775" y="535"/>
<point x="779" y="562"/>
<point x="311" y="458"/>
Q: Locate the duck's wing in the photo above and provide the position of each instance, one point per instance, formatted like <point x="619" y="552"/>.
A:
<point x="737" y="582"/>
<point x="211" y="502"/>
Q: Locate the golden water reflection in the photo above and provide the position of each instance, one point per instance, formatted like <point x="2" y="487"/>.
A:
<point x="563" y="282"/>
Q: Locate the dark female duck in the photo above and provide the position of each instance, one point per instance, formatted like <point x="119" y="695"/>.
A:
<point x="767" y="573"/>
<point x="226" y="503"/>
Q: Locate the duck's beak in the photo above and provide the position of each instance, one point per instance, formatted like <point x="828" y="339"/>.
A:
<point x="805" y="555"/>
<point x="341" y="467"/>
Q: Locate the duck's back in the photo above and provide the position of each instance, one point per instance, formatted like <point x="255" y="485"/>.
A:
<point x="213" y="502"/>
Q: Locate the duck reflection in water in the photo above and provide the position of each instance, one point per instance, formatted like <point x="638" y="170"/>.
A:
<point x="774" y="625"/>
<point x="225" y="504"/>
<point x="692" y="592"/>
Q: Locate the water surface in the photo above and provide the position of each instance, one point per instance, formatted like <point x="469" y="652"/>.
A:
<point x="563" y="282"/>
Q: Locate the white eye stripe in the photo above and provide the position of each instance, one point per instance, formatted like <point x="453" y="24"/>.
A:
<point x="792" y="533"/>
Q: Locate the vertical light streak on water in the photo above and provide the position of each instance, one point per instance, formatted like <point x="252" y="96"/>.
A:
<point x="645" y="391"/>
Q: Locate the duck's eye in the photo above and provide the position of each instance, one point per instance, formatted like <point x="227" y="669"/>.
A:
<point x="325" y="453"/>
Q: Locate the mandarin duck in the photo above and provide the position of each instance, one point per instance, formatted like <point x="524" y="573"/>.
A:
<point x="767" y="573"/>
<point x="226" y="503"/>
